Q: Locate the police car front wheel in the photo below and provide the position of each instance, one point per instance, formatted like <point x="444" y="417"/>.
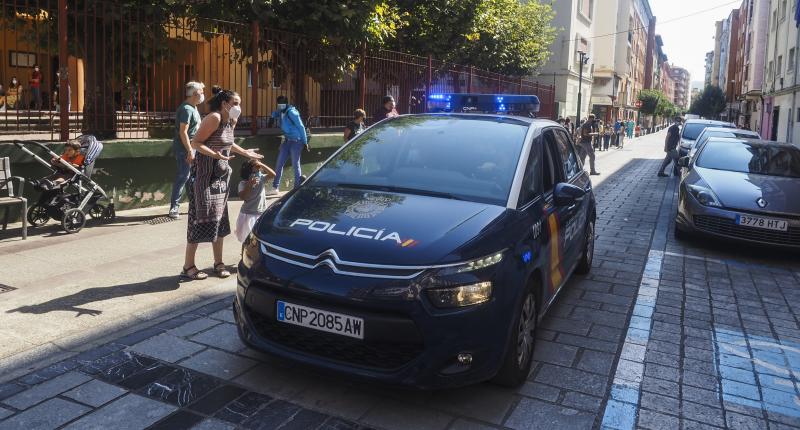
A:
<point x="519" y="351"/>
<point x="585" y="264"/>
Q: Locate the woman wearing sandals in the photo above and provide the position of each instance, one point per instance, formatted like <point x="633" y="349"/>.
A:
<point x="208" y="186"/>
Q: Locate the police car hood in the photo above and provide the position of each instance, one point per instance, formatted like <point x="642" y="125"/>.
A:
<point x="376" y="227"/>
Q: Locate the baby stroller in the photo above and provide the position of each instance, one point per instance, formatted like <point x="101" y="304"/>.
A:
<point x="70" y="201"/>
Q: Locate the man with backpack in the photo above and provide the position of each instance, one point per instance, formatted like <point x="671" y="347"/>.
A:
<point x="588" y="131"/>
<point x="295" y="139"/>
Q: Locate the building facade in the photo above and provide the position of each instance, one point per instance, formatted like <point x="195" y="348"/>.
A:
<point x="683" y="85"/>
<point x="621" y="58"/>
<point x="733" y="81"/>
<point x="709" y="68"/>
<point x="780" y="82"/>
<point x="577" y="19"/>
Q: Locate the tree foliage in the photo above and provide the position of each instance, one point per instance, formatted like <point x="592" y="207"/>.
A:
<point x="503" y="36"/>
<point x="654" y="102"/>
<point x="709" y="103"/>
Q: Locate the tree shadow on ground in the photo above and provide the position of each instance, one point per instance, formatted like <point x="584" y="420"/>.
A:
<point x="76" y="302"/>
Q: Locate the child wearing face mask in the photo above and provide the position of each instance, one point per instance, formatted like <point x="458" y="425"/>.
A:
<point x="14" y="93"/>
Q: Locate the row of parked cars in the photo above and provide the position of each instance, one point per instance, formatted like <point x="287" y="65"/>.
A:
<point x="737" y="186"/>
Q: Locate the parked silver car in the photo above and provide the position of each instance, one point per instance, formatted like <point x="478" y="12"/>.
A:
<point x="743" y="189"/>
<point x="721" y="132"/>
<point x="691" y="130"/>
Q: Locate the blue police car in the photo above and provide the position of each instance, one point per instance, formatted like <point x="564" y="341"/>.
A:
<point x="424" y="252"/>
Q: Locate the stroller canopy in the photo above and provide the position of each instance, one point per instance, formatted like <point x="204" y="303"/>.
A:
<point x="90" y="148"/>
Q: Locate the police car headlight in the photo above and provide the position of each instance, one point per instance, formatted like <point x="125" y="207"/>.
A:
<point x="250" y="251"/>
<point x="474" y="265"/>
<point x="463" y="295"/>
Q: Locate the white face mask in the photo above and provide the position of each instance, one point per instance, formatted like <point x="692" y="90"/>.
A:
<point x="36" y="69"/>
<point x="281" y="106"/>
<point x="14" y="81"/>
<point x="202" y="98"/>
<point x="234" y="112"/>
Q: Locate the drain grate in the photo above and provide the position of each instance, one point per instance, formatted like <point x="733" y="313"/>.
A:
<point x="159" y="220"/>
<point x="6" y="288"/>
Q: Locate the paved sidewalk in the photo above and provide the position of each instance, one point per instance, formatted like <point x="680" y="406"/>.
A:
<point x="661" y="335"/>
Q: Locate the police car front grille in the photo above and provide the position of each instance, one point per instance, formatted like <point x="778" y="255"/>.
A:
<point x="354" y="352"/>
<point x="728" y="227"/>
<point x="331" y="260"/>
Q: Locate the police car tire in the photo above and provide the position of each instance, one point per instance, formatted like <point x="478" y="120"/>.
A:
<point x="678" y="233"/>
<point x="587" y="255"/>
<point x="511" y="374"/>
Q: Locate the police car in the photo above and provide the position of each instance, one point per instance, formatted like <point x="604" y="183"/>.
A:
<point x="424" y="252"/>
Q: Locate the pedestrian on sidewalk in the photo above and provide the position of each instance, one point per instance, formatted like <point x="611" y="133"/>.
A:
<point x="671" y="148"/>
<point x="587" y="132"/>
<point x="252" y="192"/>
<point x="295" y="139"/>
<point x="569" y="126"/>
<point x="607" y="136"/>
<point x="389" y="110"/>
<point x="356" y="126"/>
<point x="210" y="177"/>
<point x="187" y="120"/>
<point x="35" y="83"/>
<point x="629" y="128"/>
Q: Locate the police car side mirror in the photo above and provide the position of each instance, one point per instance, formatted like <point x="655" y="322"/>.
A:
<point x="683" y="161"/>
<point x="567" y="194"/>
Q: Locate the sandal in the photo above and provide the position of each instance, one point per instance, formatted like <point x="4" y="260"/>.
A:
<point x="221" y="271"/>
<point x="193" y="274"/>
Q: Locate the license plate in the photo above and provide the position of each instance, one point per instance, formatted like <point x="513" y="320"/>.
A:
<point x="763" y="223"/>
<point x="318" y="319"/>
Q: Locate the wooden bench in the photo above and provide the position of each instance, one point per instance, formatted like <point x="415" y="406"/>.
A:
<point x="7" y="197"/>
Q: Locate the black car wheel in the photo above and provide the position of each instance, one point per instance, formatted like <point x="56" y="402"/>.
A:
<point x="37" y="216"/>
<point x="585" y="265"/>
<point x="74" y="220"/>
<point x="519" y="351"/>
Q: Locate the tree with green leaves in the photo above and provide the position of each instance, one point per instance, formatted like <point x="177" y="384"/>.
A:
<point x="709" y="103"/>
<point x="502" y="36"/>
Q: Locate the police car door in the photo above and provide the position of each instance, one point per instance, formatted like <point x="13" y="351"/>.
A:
<point x="558" y="220"/>
<point x="574" y="228"/>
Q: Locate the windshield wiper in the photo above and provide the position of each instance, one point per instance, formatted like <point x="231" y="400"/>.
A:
<point x="396" y="189"/>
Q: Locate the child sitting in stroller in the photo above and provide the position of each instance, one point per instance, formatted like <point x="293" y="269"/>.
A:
<point x="72" y="155"/>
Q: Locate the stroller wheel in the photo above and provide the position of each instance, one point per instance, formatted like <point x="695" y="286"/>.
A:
<point x="73" y="220"/>
<point x="96" y="212"/>
<point x="109" y="214"/>
<point x="37" y="215"/>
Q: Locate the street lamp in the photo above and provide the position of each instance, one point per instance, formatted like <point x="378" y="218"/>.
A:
<point x="584" y="60"/>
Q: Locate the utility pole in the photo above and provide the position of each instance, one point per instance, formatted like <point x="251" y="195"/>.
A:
<point x="584" y="60"/>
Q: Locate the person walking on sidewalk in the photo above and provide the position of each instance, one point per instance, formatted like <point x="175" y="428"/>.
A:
<point x="671" y="148"/>
<point x="629" y="128"/>
<point x="295" y="139"/>
<point x="587" y="132"/>
<point x="187" y="120"/>
<point x="210" y="177"/>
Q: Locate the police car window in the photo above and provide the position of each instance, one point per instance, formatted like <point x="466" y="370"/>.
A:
<point x="549" y="166"/>
<point x="530" y="180"/>
<point x="567" y="152"/>
<point x="464" y="157"/>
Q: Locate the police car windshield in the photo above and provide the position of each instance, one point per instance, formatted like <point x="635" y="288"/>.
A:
<point x="467" y="158"/>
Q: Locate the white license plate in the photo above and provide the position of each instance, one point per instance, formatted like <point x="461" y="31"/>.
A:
<point x="318" y="319"/>
<point x="761" y="222"/>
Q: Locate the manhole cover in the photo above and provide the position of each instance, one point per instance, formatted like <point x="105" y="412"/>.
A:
<point x="159" y="220"/>
<point x="6" y="288"/>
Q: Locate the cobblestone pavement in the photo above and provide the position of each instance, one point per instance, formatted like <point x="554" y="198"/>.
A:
<point x="661" y="335"/>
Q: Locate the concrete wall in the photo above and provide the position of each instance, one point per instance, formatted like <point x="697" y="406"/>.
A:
<point x="140" y="173"/>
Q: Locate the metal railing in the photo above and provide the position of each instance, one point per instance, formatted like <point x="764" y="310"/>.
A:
<point x="124" y="71"/>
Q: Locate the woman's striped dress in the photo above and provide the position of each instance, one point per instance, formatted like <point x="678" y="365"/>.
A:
<point x="208" y="190"/>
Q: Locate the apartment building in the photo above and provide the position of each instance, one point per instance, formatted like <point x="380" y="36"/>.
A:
<point x="577" y="19"/>
<point x="621" y="59"/>
<point x="780" y="84"/>
<point x="683" y="85"/>
<point x="709" y="68"/>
